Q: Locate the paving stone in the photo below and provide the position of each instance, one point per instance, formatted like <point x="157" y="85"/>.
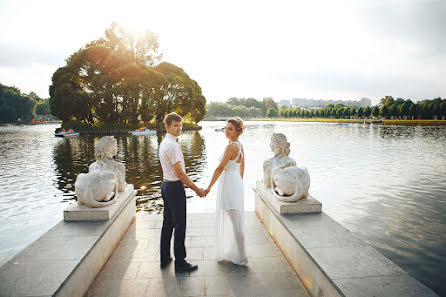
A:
<point x="163" y="288"/>
<point x="263" y="250"/>
<point x="118" y="288"/>
<point x="191" y="286"/>
<point x="248" y="285"/>
<point x="194" y="254"/>
<point x="204" y="231"/>
<point x="203" y="241"/>
<point x="126" y="254"/>
<point x="151" y="217"/>
<point x="134" y="244"/>
<point x="209" y="253"/>
<point x="151" y="270"/>
<point x="133" y="234"/>
<point x="118" y="271"/>
<point x="282" y="281"/>
<point x="217" y="285"/>
<point x="269" y="264"/>
<point x="140" y="224"/>
<point x="267" y="273"/>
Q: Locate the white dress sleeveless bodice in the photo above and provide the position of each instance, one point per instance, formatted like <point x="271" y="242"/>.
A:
<point x="230" y="213"/>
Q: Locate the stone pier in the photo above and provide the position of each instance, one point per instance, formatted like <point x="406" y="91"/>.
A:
<point x="134" y="270"/>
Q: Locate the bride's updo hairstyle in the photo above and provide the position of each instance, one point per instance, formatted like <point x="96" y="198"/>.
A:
<point x="238" y="124"/>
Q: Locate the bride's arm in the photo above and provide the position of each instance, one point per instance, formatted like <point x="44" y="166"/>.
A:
<point x="229" y="151"/>
<point x="242" y="164"/>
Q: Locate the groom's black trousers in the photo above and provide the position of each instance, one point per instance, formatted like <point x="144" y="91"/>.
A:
<point x="174" y="198"/>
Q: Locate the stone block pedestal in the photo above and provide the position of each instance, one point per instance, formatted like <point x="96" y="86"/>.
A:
<point x="307" y="205"/>
<point x="78" y="212"/>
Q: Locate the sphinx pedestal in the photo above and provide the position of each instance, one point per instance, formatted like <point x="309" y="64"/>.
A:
<point x="77" y="212"/>
<point x="307" y="205"/>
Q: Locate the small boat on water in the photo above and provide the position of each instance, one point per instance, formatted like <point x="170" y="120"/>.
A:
<point x="69" y="133"/>
<point x="220" y="129"/>
<point x="72" y="134"/>
<point x="142" y="131"/>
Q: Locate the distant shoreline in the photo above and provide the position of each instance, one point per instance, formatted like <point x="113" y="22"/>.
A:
<point x="358" y="121"/>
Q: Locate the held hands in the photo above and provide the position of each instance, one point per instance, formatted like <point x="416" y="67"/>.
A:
<point x="201" y="192"/>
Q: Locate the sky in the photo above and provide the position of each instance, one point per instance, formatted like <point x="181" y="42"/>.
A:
<point x="338" y="50"/>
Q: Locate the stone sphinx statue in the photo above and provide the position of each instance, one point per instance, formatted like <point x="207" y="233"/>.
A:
<point x="105" y="177"/>
<point x="287" y="181"/>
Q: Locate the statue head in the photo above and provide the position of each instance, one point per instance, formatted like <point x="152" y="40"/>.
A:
<point x="107" y="148"/>
<point x="279" y="145"/>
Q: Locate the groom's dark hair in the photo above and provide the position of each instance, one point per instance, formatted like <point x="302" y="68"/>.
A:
<point x="173" y="116"/>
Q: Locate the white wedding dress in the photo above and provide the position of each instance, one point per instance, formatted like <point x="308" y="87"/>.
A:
<point x="230" y="213"/>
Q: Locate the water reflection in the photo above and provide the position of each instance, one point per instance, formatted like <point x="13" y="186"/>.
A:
<point x="140" y="156"/>
<point x="386" y="184"/>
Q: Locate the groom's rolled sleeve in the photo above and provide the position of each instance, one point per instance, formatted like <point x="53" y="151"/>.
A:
<point x="174" y="155"/>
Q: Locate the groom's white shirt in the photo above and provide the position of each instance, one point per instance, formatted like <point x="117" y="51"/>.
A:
<point x="170" y="153"/>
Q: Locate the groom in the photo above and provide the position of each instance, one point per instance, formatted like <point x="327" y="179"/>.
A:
<point x="172" y="191"/>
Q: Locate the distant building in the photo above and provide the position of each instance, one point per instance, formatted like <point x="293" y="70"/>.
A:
<point x="312" y="103"/>
<point x="366" y="102"/>
<point x="284" y="103"/>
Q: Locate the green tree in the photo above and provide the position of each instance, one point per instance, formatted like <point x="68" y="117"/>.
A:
<point x="443" y="108"/>
<point x="353" y="112"/>
<point x="367" y="111"/>
<point x="339" y="112"/>
<point x="360" y="112"/>
<point x="412" y="112"/>
<point x="271" y="113"/>
<point x="427" y="111"/>
<point x="387" y="100"/>
<point x="375" y="111"/>
<point x="403" y="109"/>
<point x="384" y="111"/>
<point x="14" y="105"/>
<point x="393" y="112"/>
<point x="117" y="80"/>
<point x="43" y="107"/>
<point x="346" y="112"/>
<point x="268" y="103"/>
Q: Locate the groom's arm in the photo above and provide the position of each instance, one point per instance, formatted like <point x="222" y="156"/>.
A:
<point x="186" y="180"/>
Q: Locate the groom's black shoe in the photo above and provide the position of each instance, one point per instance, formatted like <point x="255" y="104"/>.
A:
<point x="164" y="263"/>
<point x="185" y="267"/>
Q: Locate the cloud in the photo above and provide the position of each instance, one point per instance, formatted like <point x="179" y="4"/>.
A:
<point x="36" y="78"/>
<point x="361" y="84"/>
<point x="422" y="22"/>
<point x="24" y="56"/>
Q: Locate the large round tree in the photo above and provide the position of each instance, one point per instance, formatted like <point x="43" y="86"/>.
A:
<point x="118" y="79"/>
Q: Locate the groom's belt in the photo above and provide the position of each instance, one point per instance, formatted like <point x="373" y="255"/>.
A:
<point x="171" y="181"/>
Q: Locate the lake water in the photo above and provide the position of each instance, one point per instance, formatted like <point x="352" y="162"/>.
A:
<point x="386" y="184"/>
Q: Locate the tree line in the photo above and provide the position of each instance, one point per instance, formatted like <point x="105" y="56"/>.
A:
<point x="16" y="106"/>
<point x="243" y="107"/>
<point x="388" y="108"/>
<point x="119" y="80"/>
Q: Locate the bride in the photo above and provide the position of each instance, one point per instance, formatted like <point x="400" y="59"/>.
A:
<point x="230" y="197"/>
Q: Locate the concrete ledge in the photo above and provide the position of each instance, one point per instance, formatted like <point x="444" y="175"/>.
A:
<point x="66" y="259"/>
<point x="76" y="212"/>
<point x="330" y="261"/>
<point x="308" y="205"/>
